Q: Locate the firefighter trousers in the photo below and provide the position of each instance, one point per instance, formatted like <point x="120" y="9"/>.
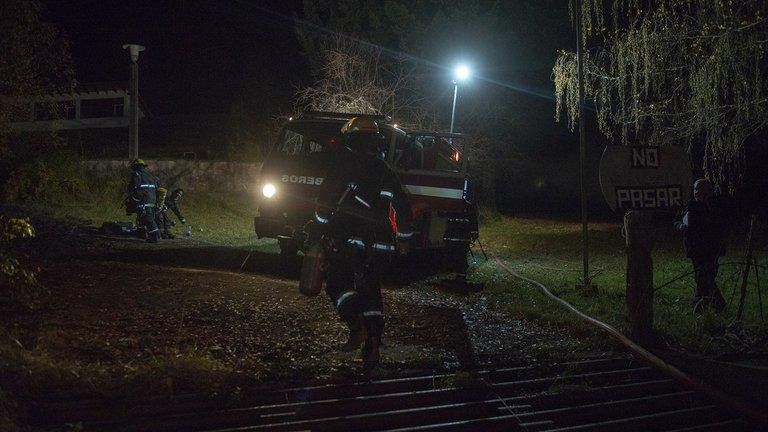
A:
<point x="147" y="220"/>
<point x="354" y="286"/>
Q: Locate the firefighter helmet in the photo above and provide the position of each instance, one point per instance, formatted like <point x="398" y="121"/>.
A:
<point x="361" y="134"/>
<point x="360" y="125"/>
<point x="138" y="162"/>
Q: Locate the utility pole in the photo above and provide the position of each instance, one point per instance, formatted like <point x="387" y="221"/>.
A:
<point x="586" y="281"/>
<point x="133" y="129"/>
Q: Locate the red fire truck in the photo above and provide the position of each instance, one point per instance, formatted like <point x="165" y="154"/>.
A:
<point x="432" y="168"/>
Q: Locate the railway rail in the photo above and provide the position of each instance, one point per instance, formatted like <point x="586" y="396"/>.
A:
<point x="600" y="394"/>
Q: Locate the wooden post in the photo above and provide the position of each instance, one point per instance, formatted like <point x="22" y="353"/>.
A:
<point x="639" y="240"/>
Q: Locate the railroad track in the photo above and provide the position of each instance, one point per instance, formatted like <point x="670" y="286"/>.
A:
<point x="602" y="394"/>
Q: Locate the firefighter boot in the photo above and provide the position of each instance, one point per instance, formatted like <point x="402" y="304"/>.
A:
<point x="357" y="334"/>
<point x="370" y="353"/>
<point x="153" y="237"/>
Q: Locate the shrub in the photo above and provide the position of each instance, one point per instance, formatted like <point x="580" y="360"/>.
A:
<point x="18" y="280"/>
<point x="52" y="176"/>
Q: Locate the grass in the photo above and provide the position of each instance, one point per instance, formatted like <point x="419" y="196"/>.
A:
<point x="549" y="251"/>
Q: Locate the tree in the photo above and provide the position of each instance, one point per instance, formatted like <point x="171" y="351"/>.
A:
<point x="675" y="72"/>
<point x="34" y="61"/>
<point x="355" y="78"/>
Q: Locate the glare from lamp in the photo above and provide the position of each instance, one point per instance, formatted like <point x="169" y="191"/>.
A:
<point x="269" y="190"/>
<point x="462" y="72"/>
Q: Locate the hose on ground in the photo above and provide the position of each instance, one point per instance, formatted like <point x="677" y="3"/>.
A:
<point x="712" y="392"/>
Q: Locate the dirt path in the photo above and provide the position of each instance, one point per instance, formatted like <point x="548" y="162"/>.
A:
<point x="128" y="304"/>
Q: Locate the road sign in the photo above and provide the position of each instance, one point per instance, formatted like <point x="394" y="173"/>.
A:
<point x="645" y="177"/>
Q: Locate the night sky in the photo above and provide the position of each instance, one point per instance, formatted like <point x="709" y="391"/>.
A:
<point x="201" y="55"/>
<point x="204" y="54"/>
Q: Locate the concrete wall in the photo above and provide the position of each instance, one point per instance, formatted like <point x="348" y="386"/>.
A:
<point x="186" y="174"/>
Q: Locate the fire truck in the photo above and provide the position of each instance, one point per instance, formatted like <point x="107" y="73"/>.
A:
<point x="431" y="166"/>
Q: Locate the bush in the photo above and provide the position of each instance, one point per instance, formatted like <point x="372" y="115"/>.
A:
<point x="50" y="176"/>
<point x="18" y="280"/>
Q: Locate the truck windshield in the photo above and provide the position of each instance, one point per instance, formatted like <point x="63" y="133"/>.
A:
<point x="305" y="138"/>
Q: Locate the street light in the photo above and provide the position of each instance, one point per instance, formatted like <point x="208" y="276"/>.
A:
<point x="460" y="73"/>
<point x="133" y="130"/>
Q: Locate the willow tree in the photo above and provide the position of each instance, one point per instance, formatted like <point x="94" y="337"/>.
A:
<point x="674" y="72"/>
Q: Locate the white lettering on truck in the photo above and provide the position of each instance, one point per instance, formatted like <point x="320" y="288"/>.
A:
<point x="316" y="181"/>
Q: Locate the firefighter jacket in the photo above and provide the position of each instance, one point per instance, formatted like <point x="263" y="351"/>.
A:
<point x="143" y="187"/>
<point x="355" y="200"/>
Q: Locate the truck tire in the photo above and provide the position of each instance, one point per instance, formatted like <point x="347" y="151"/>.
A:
<point x="455" y="254"/>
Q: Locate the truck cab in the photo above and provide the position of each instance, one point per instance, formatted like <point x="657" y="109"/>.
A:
<point x="431" y="167"/>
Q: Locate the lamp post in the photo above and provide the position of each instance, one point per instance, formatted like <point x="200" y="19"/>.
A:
<point x="133" y="129"/>
<point x="461" y="73"/>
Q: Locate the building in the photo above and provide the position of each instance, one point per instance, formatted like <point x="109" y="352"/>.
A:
<point x="92" y="106"/>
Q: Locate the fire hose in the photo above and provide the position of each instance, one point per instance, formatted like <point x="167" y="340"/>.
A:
<point x="640" y="352"/>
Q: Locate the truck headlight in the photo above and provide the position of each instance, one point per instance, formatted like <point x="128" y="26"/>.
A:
<point x="269" y="190"/>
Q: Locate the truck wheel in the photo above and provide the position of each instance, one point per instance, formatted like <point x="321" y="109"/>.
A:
<point x="456" y="257"/>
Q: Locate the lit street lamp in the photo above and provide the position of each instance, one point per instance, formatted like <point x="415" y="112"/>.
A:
<point x="461" y="73"/>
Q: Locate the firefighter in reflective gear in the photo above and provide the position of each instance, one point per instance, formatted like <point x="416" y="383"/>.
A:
<point x="161" y="215"/>
<point x="142" y="188"/>
<point x="164" y="204"/>
<point x="353" y="212"/>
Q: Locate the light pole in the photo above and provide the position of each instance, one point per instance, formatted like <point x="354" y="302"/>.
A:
<point x="133" y="129"/>
<point x="461" y="73"/>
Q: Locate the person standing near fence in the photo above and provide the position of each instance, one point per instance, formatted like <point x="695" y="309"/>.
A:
<point x="703" y="227"/>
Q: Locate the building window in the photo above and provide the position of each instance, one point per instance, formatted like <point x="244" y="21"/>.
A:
<point x="62" y="110"/>
<point x="66" y="110"/>
<point x="101" y="108"/>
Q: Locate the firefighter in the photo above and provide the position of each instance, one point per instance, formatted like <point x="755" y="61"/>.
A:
<point x="142" y="188"/>
<point x="173" y="204"/>
<point x="353" y="212"/>
<point x="161" y="215"/>
<point x="164" y="222"/>
<point x="702" y="225"/>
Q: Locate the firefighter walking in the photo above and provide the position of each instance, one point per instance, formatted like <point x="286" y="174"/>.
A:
<point x="353" y="215"/>
<point x="142" y="190"/>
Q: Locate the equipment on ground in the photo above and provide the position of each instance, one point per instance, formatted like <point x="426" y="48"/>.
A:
<point x="118" y="228"/>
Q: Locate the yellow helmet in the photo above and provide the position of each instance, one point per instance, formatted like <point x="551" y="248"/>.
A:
<point x="360" y="125"/>
<point x="161" y="194"/>
<point x="138" y="162"/>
